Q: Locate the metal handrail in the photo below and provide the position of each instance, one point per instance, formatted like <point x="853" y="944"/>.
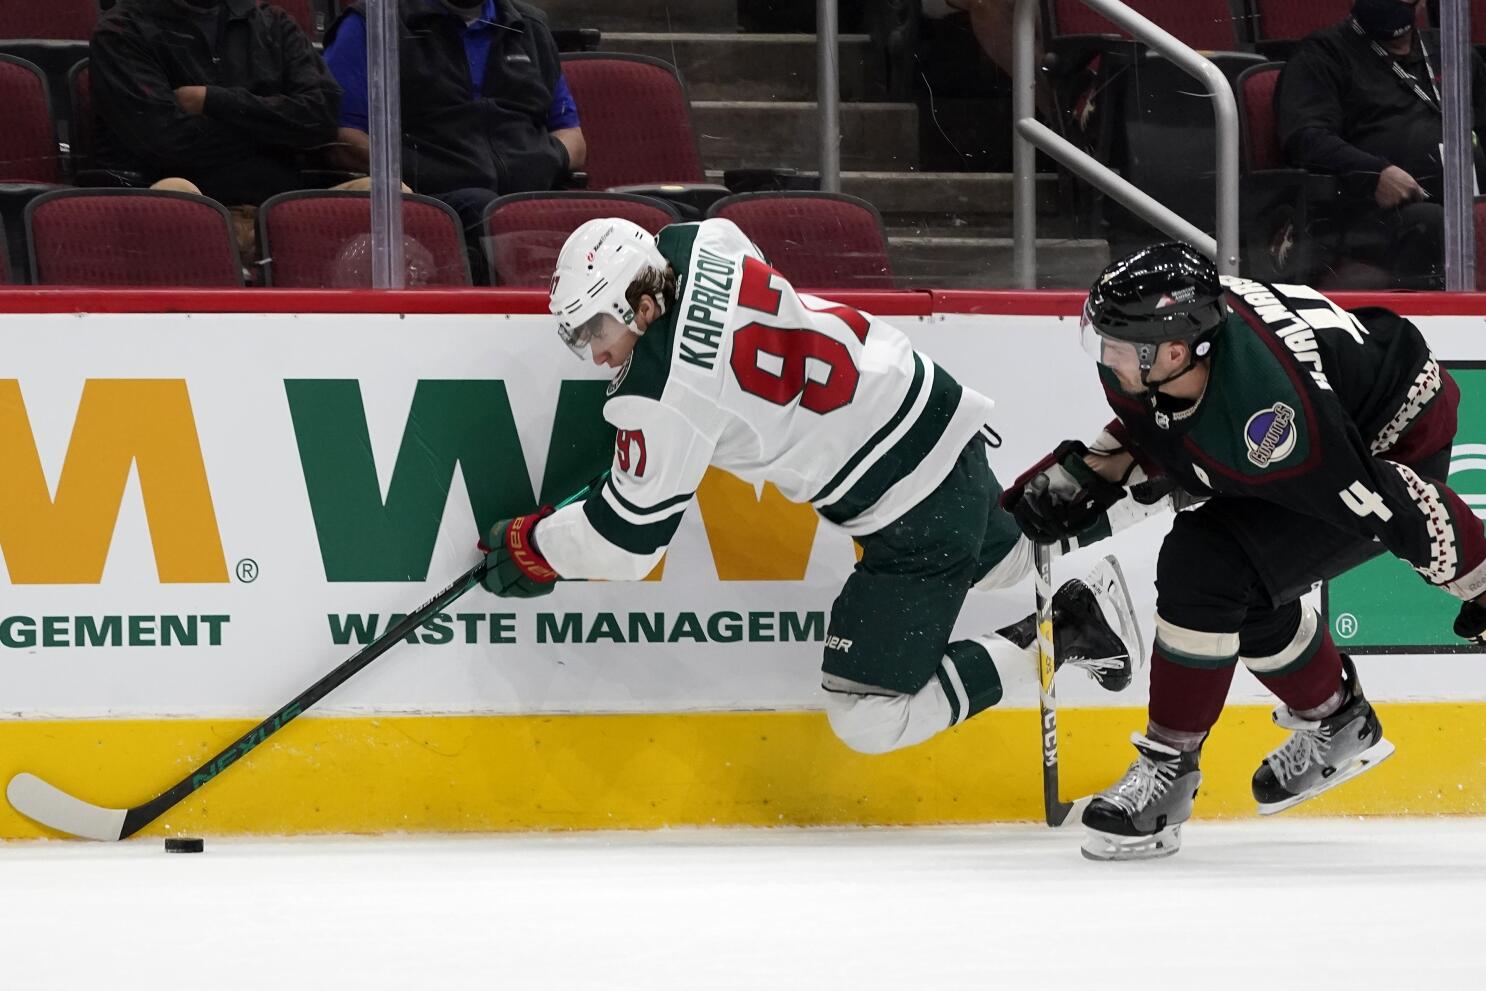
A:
<point x="828" y="94"/>
<point x="1459" y="158"/>
<point x="1028" y="134"/>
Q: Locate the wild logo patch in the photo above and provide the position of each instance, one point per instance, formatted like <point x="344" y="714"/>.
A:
<point x="1270" y="435"/>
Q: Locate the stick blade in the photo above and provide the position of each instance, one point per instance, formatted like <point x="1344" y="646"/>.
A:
<point x="55" y="809"/>
<point x="1067" y="815"/>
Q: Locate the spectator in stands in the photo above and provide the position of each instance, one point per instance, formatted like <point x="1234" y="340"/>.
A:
<point x="1359" y="100"/>
<point x="226" y="95"/>
<point x="992" y="20"/>
<point x="485" y="108"/>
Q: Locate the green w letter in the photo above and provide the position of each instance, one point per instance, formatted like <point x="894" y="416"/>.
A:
<point x="452" y="424"/>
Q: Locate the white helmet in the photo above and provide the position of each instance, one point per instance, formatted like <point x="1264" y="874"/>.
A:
<point x="598" y="262"/>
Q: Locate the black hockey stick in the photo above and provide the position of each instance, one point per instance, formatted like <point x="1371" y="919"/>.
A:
<point x="1057" y="811"/>
<point x="51" y="807"/>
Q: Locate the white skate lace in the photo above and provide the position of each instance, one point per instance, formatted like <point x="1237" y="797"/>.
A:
<point x="1096" y="664"/>
<point x="1309" y="746"/>
<point x="1143" y="783"/>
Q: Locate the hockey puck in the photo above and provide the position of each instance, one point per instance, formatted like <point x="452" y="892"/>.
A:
<point x="184" y="844"/>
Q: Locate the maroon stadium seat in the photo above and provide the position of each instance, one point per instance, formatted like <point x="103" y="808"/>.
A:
<point x="1479" y="214"/>
<point x="1279" y="25"/>
<point x="321" y="239"/>
<point x="815" y="240"/>
<point x="71" y="19"/>
<point x="1257" y="123"/>
<point x="1203" y="24"/>
<point x="1286" y="20"/>
<point x="80" y="91"/>
<point x="525" y="231"/>
<point x="130" y="237"/>
<point x="610" y="90"/>
<point x="1279" y="206"/>
<point x="28" y="136"/>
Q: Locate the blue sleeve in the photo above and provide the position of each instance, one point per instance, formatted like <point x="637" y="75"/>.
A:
<point x="564" y="111"/>
<point x="346" y="58"/>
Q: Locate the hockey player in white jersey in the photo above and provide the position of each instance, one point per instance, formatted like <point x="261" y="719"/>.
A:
<point x="718" y="361"/>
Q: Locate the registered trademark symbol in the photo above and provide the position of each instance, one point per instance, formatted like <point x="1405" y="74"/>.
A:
<point x="247" y="570"/>
<point x="1346" y="626"/>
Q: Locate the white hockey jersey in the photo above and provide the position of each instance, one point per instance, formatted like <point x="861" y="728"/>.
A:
<point x="830" y="404"/>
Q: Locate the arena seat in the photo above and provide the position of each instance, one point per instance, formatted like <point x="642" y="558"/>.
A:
<point x="28" y="135"/>
<point x="1478" y="215"/>
<point x="1206" y="25"/>
<point x="60" y="19"/>
<point x="321" y="239"/>
<point x="130" y="237"/>
<point x="525" y="231"/>
<point x="816" y="240"/>
<point x="1279" y="25"/>
<point x="80" y="97"/>
<point x="608" y="88"/>
<point x="1287" y="216"/>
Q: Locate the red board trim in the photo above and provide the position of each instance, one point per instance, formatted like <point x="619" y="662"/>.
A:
<point x="919" y="303"/>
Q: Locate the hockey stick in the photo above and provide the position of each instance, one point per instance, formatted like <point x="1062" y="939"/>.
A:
<point x="54" y="808"/>
<point x="1057" y="812"/>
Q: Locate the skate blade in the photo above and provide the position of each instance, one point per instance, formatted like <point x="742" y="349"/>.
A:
<point x="1365" y="761"/>
<point x="1108" y="846"/>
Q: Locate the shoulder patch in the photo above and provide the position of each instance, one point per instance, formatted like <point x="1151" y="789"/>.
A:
<point x="1270" y="435"/>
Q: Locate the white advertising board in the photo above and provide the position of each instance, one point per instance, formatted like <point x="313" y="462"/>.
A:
<point x="205" y="512"/>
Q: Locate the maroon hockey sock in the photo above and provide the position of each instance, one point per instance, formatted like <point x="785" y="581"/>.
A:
<point x="1313" y="684"/>
<point x="1187" y="699"/>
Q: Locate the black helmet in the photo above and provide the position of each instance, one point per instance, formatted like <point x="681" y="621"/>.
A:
<point x="1166" y="292"/>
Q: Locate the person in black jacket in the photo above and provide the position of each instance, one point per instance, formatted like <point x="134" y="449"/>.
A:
<point x="485" y="108"/>
<point x="225" y="94"/>
<point x="1359" y="100"/>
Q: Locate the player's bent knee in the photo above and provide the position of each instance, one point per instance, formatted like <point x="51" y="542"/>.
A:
<point x="869" y="724"/>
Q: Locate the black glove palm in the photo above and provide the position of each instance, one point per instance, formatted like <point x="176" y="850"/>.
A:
<point x="1065" y="498"/>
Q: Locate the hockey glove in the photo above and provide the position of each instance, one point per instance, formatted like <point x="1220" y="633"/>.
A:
<point x="1060" y="497"/>
<point x="1470" y="624"/>
<point x="514" y="566"/>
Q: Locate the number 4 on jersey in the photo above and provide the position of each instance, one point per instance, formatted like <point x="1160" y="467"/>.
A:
<point x="1365" y="502"/>
<point x="790" y="349"/>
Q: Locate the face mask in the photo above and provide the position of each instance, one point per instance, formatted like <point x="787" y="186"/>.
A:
<point x="1383" y="19"/>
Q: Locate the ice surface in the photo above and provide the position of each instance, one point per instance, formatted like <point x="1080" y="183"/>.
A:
<point x="1286" y="903"/>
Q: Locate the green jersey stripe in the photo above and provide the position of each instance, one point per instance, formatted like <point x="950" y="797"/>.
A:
<point x="907" y="453"/>
<point x="637" y="538"/>
<point x="914" y="388"/>
<point x="659" y="509"/>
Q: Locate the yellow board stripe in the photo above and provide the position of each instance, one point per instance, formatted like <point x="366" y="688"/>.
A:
<point x="457" y="773"/>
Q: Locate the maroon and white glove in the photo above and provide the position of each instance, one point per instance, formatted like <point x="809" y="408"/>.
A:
<point x="514" y="566"/>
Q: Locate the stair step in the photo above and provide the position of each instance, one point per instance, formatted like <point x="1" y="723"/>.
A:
<point x="960" y="194"/>
<point x="936" y="197"/>
<point x="748" y="66"/>
<point x="988" y="263"/>
<point x="745" y="134"/>
<point x="643" y="15"/>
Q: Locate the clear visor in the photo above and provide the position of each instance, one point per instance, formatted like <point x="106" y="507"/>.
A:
<point x="598" y="331"/>
<point x="1119" y="357"/>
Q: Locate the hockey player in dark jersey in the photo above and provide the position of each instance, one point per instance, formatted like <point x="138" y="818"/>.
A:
<point x="1314" y="439"/>
<point x="719" y="362"/>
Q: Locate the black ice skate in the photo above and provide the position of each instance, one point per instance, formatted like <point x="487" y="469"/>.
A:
<point x="1321" y="753"/>
<point x="1094" y="626"/>
<point x="1140" y="817"/>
